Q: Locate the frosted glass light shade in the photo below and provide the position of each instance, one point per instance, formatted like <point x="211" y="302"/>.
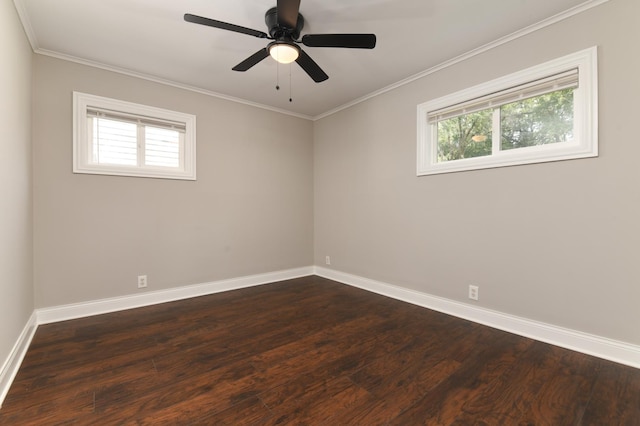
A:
<point x="284" y="53"/>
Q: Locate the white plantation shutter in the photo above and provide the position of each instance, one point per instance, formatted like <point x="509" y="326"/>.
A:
<point x="114" y="142"/>
<point x="114" y="137"/>
<point x="132" y="140"/>
<point x="162" y="147"/>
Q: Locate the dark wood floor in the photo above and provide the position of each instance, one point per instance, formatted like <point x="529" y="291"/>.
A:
<point x="308" y="351"/>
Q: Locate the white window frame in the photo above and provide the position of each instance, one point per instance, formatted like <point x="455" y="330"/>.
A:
<point x="583" y="145"/>
<point x="82" y="143"/>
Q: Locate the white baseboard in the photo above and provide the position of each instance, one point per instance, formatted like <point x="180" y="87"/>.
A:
<point x="601" y="347"/>
<point x="103" y="306"/>
<point x="19" y="350"/>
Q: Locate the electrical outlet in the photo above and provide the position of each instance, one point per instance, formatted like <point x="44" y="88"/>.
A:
<point x="142" y="281"/>
<point x="327" y="260"/>
<point x="473" y="292"/>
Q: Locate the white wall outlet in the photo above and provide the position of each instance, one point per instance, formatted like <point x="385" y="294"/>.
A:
<point x="473" y="292"/>
<point x="327" y="260"/>
<point x="142" y="281"/>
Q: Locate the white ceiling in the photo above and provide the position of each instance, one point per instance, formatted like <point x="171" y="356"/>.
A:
<point x="151" y="39"/>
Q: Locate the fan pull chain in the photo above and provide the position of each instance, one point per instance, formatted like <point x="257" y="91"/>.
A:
<point x="290" y="99"/>
<point x="277" y="75"/>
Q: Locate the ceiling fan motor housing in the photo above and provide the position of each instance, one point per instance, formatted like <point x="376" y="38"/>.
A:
<point x="280" y="32"/>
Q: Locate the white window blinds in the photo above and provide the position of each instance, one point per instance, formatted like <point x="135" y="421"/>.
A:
<point x="134" y="118"/>
<point x="560" y="81"/>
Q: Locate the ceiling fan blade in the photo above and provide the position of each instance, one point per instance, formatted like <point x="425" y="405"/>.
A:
<point x="252" y="60"/>
<point x="354" y="41"/>
<point x="311" y="68"/>
<point x="223" y="25"/>
<point x="288" y="13"/>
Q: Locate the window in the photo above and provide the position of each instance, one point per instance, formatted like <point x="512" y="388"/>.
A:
<point x="544" y="113"/>
<point x="114" y="137"/>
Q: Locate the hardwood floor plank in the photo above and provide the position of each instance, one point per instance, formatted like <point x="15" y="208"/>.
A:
<point x="408" y="387"/>
<point x="506" y="399"/>
<point x="616" y="395"/>
<point x="251" y="411"/>
<point x="313" y="399"/>
<point x="307" y="351"/>
<point x="407" y="373"/>
<point x="444" y="403"/>
<point x="64" y="408"/>
<point x="569" y="386"/>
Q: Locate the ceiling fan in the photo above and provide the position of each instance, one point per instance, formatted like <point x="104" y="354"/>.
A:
<point x="285" y="23"/>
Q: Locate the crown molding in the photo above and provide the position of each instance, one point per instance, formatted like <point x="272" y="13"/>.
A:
<point x="165" y="82"/>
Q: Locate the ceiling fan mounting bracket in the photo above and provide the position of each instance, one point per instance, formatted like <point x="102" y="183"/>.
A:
<point x="279" y="32"/>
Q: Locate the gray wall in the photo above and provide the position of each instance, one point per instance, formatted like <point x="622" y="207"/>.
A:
<point x="249" y="212"/>
<point x="555" y="242"/>
<point x="16" y="279"/>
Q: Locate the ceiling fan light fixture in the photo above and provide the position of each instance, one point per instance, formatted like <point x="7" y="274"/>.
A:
<point x="285" y="23"/>
<point x="284" y="53"/>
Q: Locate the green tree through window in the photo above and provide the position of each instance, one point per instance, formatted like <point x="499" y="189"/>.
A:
<point x="539" y="120"/>
<point x="465" y="136"/>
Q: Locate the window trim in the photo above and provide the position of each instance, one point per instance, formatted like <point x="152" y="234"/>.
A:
<point x="83" y="102"/>
<point x="584" y="144"/>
